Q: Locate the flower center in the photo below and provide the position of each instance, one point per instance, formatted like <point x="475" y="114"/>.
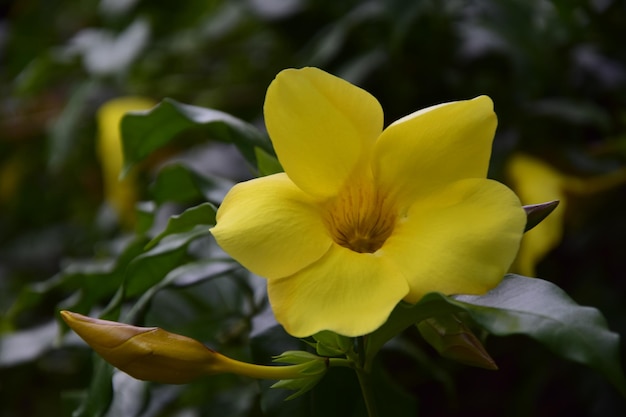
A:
<point x="360" y="218"/>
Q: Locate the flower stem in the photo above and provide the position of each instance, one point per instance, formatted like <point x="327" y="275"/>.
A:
<point x="228" y="365"/>
<point x="345" y="363"/>
<point x="366" y="391"/>
<point x="363" y="374"/>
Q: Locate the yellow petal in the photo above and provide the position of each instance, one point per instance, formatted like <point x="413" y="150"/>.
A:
<point x="461" y="240"/>
<point x="271" y="227"/>
<point x="322" y="127"/>
<point x="121" y="194"/>
<point x="434" y="147"/>
<point x="349" y="293"/>
<point x="536" y="182"/>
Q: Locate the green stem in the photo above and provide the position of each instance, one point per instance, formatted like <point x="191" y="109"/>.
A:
<point x="363" y="374"/>
<point x="345" y="363"/>
<point x="366" y="391"/>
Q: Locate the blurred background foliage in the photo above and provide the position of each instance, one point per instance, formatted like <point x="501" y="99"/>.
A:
<point x="556" y="71"/>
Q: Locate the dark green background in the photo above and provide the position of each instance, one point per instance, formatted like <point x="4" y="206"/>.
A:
<point x="556" y="71"/>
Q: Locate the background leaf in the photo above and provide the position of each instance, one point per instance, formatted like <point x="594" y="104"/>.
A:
<point x="145" y="132"/>
<point x="541" y="310"/>
<point x="182" y="184"/>
<point x="527" y="306"/>
<point x="203" y="214"/>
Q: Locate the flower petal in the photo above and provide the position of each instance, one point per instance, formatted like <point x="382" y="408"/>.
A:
<point x="349" y="293"/>
<point x="537" y="182"/>
<point x="459" y="241"/>
<point x="434" y="147"/>
<point x="321" y="126"/>
<point x="271" y="227"/>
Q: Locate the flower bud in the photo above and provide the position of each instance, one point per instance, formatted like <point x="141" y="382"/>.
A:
<point x="454" y="340"/>
<point x="146" y="353"/>
<point x="153" y="354"/>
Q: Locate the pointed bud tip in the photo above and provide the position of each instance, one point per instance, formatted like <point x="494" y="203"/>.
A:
<point x="101" y="333"/>
<point x="536" y="213"/>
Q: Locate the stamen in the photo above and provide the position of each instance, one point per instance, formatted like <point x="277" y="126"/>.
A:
<point x="360" y="218"/>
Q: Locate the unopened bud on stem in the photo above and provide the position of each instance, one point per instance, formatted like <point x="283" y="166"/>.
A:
<point x="153" y="354"/>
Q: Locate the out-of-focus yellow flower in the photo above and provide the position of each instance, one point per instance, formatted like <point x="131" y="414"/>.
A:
<point x="363" y="218"/>
<point x="153" y="354"/>
<point x="121" y="194"/>
<point x="11" y="173"/>
<point x="535" y="182"/>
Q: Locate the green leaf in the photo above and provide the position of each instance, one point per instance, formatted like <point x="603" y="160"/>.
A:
<point x="543" y="311"/>
<point x="151" y="267"/>
<point x="268" y="164"/>
<point x="202" y="214"/>
<point x="405" y="315"/>
<point x="521" y="305"/>
<point x="64" y="133"/>
<point x="144" y="132"/>
<point x="89" y="281"/>
<point x="145" y="212"/>
<point x="536" y="213"/>
<point x="190" y="274"/>
<point x="100" y="393"/>
<point x="179" y="183"/>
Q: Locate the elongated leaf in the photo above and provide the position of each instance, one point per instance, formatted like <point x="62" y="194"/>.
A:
<point x="528" y="306"/>
<point x="89" y="281"/>
<point x="151" y="267"/>
<point x="543" y="311"/>
<point x="100" y="393"/>
<point x="187" y="220"/>
<point x="188" y="274"/>
<point x="405" y="315"/>
<point x="180" y="183"/>
<point x="145" y="132"/>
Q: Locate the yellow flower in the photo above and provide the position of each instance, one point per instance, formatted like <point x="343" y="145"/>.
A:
<point x="537" y="182"/>
<point x="153" y="354"/>
<point x="121" y="194"/>
<point x="363" y="218"/>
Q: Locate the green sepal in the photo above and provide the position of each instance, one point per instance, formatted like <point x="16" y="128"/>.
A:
<point x="294" y="357"/>
<point x="331" y="344"/>
<point x="536" y="213"/>
<point x="312" y="373"/>
<point x="454" y="340"/>
<point x="300" y="385"/>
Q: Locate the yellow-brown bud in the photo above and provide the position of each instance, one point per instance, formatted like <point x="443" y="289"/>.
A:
<point x="153" y="354"/>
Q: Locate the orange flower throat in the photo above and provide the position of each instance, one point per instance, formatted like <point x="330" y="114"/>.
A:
<point x="360" y="218"/>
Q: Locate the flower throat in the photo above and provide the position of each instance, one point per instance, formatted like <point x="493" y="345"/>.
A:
<point x="360" y="219"/>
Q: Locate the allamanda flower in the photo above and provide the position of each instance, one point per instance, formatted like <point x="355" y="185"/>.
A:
<point x="536" y="181"/>
<point x="363" y="217"/>
<point x="121" y="194"/>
